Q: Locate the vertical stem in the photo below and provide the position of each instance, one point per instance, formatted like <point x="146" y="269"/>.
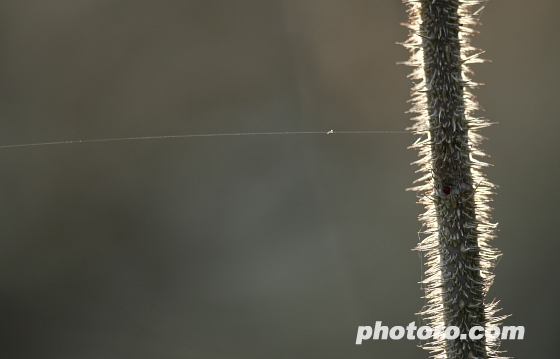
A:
<point x="455" y="191"/>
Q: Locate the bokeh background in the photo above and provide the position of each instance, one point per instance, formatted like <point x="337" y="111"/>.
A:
<point x="250" y="247"/>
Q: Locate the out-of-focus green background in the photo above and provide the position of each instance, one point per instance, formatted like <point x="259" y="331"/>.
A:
<point x="250" y="247"/>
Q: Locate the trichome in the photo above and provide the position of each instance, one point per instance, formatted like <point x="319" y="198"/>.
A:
<point x="453" y="188"/>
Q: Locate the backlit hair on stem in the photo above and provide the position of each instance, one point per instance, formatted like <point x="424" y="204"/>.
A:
<point x="452" y="188"/>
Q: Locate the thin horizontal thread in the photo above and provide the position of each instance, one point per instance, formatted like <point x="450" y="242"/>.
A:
<point x="331" y="132"/>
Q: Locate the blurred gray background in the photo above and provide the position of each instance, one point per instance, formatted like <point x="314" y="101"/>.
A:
<point x="250" y="247"/>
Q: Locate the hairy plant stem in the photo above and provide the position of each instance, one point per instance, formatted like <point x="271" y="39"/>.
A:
<point x="455" y="192"/>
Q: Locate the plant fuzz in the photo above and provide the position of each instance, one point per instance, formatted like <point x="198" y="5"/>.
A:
<point x="454" y="190"/>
